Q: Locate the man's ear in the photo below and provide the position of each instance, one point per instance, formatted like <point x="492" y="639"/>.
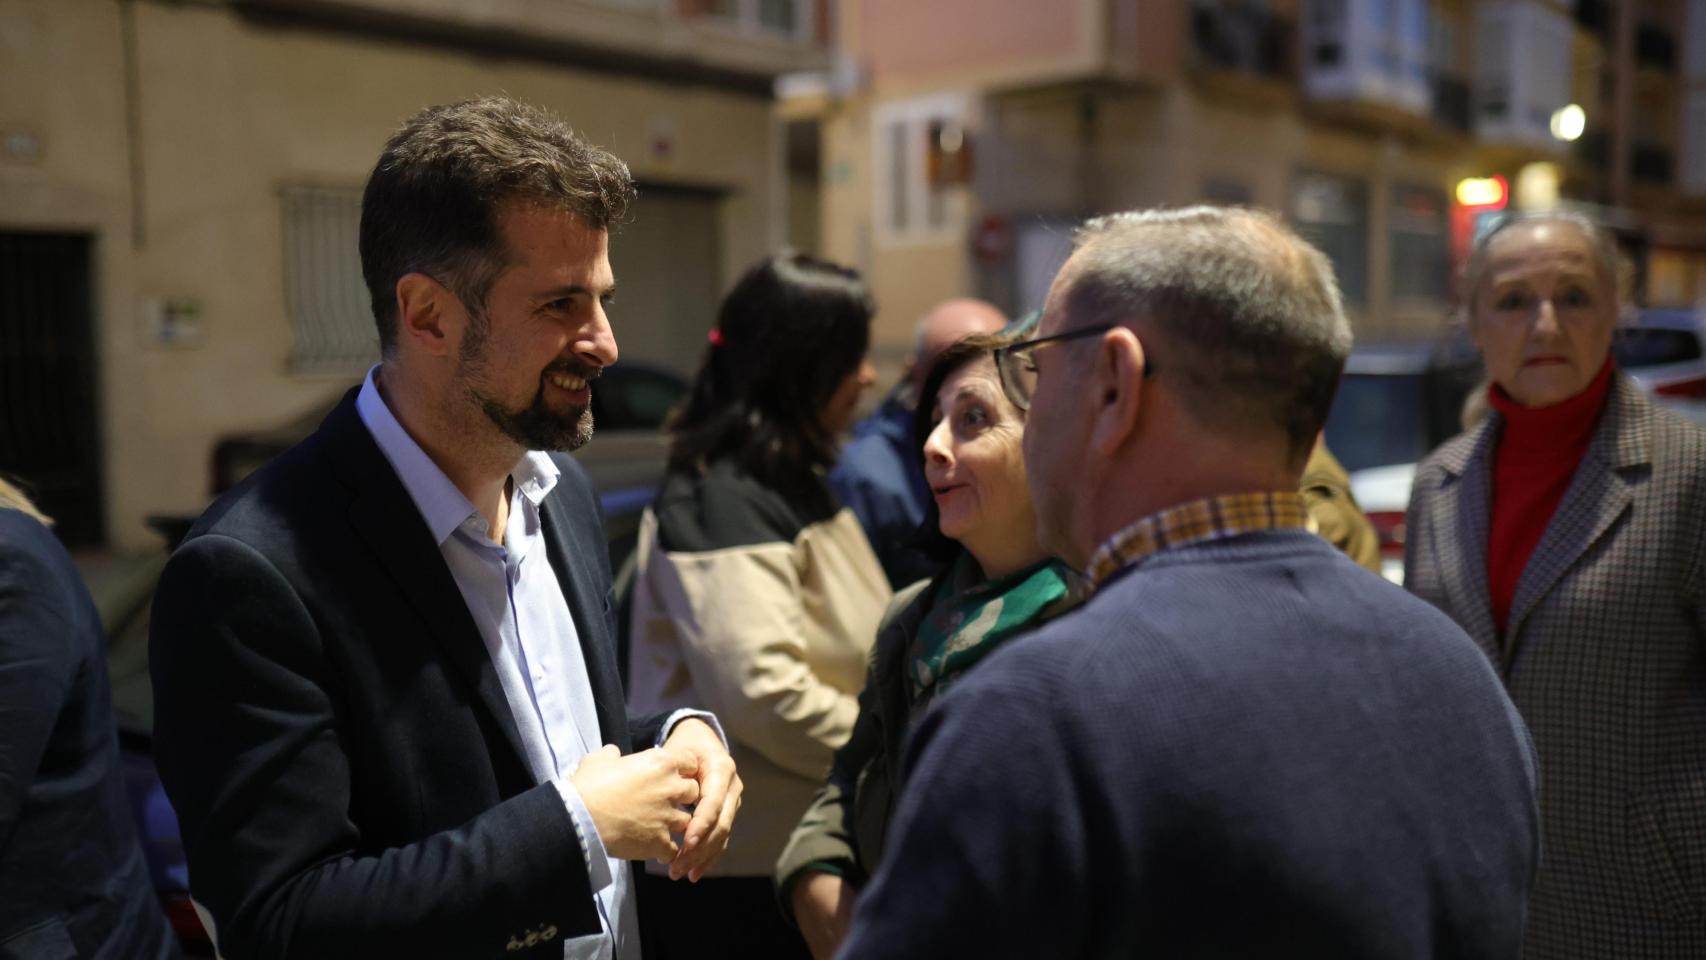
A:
<point x="1117" y="376"/>
<point x="428" y="314"/>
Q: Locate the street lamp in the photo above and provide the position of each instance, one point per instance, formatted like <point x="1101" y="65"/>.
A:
<point x="1569" y="122"/>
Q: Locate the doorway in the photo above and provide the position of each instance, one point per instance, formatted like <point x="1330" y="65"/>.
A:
<point x="49" y="430"/>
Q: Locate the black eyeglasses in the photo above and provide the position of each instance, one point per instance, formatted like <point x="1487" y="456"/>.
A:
<point x="1018" y="370"/>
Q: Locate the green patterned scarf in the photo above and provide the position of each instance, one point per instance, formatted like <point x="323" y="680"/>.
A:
<point x="970" y="616"/>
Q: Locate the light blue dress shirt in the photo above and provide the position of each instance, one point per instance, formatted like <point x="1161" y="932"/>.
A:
<point x="518" y="605"/>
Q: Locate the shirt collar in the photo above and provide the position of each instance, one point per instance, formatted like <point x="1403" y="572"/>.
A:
<point x="1198" y="521"/>
<point x="441" y="504"/>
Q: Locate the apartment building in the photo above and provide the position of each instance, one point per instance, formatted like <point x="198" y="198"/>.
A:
<point x="963" y="139"/>
<point x="180" y="184"/>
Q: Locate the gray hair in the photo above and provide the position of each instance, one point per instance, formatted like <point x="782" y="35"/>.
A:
<point x="1249" y="316"/>
<point x="1600" y="243"/>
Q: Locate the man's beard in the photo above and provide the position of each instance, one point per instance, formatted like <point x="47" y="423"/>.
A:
<point x="536" y="426"/>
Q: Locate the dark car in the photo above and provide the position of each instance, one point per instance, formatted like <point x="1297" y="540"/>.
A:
<point x="625" y="462"/>
<point x="1398" y="400"/>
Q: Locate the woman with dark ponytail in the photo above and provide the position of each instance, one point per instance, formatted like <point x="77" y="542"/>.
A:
<point x="757" y="595"/>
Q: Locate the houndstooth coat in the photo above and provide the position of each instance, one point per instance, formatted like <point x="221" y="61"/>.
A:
<point x="1605" y="656"/>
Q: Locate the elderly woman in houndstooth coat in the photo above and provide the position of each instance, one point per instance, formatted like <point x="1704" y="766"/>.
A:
<point x="1566" y="533"/>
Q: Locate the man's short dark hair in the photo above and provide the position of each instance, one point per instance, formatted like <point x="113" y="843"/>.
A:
<point x="1250" y="326"/>
<point x="431" y="203"/>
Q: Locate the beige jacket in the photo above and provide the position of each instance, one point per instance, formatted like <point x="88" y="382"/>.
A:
<point x="763" y="612"/>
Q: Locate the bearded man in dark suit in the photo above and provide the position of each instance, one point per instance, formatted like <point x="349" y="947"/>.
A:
<point x="388" y="712"/>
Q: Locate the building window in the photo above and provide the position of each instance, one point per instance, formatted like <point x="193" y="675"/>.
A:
<point x="1693" y="165"/>
<point x="780" y="16"/>
<point x="1332" y="213"/>
<point x="899" y="181"/>
<point x="785" y="18"/>
<point x="1421" y="257"/>
<point x="331" y="317"/>
<point x="1694" y="53"/>
<point x="916" y="201"/>
<point x="1373" y="51"/>
<point x="1522" y="71"/>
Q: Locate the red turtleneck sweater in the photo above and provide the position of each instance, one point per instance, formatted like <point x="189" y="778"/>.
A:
<point x="1537" y="456"/>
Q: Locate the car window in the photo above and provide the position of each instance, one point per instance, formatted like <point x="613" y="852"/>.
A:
<point x="1651" y="346"/>
<point x="1378" y="420"/>
<point x="636" y="399"/>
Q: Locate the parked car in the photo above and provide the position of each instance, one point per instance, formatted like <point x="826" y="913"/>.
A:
<point x="625" y="461"/>
<point x="1664" y="351"/>
<point x="1397" y="402"/>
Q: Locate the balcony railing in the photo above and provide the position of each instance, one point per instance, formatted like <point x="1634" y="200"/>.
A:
<point x="1235" y="37"/>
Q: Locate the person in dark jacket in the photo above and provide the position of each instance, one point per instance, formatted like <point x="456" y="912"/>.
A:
<point x="1566" y="532"/>
<point x="73" y="881"/>
<point x="1242" y="744"/>
<point x="387" y="709"/>
<point x="997" y="584"/>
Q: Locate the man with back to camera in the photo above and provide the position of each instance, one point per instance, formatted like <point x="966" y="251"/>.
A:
<point x="388" y="712"/>
<point x="1243" y="743"/>
<point x="880" y="474"/>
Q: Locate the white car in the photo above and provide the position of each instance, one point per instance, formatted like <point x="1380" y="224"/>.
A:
<point x="1383" y="493"/>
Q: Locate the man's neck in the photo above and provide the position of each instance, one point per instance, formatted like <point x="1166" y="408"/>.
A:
<point x="472" y="455"/>
<point x="1138" y="493"/>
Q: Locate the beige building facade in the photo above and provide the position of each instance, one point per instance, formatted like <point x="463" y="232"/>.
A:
<point x="1356" y="122"/>
<point x="208" y="157"/>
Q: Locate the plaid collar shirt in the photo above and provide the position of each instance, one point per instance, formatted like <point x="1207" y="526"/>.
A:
<point x="1199" y="521"/>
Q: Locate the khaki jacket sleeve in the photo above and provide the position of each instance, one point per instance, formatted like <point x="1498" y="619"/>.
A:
<point x="743" y="635"/>
<point x="1326" y="491"/>
<point x="826" y="835"/>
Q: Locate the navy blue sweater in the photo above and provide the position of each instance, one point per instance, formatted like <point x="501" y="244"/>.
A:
<point x="1250" y="747"/>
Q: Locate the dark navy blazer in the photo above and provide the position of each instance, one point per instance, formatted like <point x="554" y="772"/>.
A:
<point x="73" y="882"/>
<point x="1246" y="748"/>
<point x="334" y="737"/>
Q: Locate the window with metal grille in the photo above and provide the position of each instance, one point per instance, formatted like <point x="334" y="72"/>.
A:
<point x="1331" y="212"/>
<point x="1421" y="259"/>
<point x="331" y="320"/>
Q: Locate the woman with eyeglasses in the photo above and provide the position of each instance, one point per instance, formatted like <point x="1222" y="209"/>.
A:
<point x="1566" y="533"/>
<point x="999" y="584"/>
<point x="757" y="594"/>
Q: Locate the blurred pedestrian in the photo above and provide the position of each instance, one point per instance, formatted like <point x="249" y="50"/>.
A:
<point x="1333" y="510"/>
<point x="879" y="474"/>
<point x="998" y="584"/>
<point x="1243" y="743"/>
<point x="73" y="881"/>
<point x="387" y="705"/>
<point x="757" y="594"/>
<point x="1567" y="534"/>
